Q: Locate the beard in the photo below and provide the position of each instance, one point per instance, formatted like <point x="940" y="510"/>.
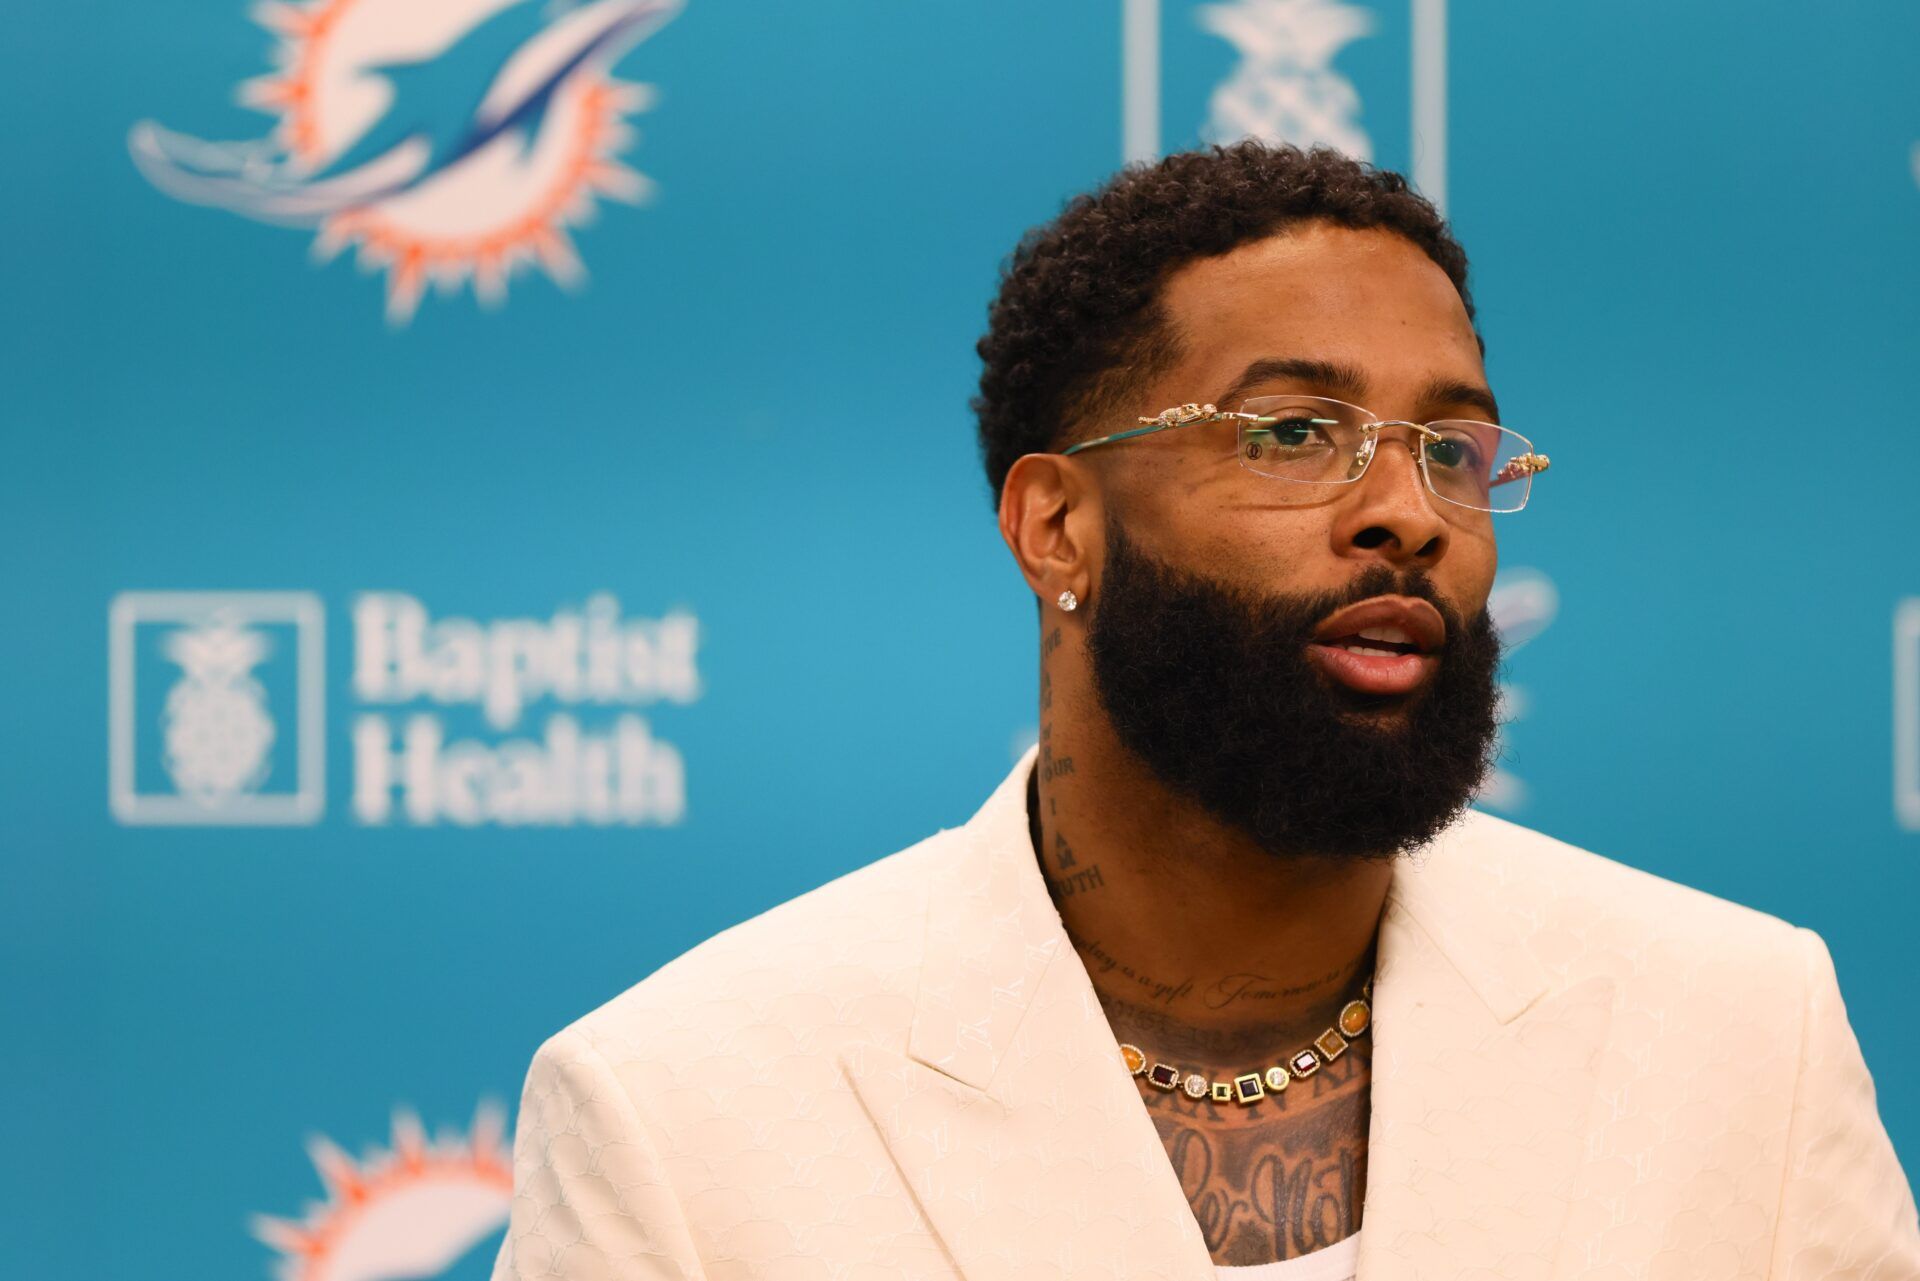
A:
<point x="1209" y="685"/>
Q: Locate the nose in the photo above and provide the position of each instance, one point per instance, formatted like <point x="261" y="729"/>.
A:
<point x="1390" y="516"/>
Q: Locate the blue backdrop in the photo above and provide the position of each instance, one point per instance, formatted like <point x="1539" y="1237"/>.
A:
<point x="394" y="678"/>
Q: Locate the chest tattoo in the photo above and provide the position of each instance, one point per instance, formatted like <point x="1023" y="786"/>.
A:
<point x="1275" y="1179"/>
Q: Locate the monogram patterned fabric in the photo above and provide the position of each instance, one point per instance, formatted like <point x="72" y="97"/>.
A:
<point x="1581" y="1070"/>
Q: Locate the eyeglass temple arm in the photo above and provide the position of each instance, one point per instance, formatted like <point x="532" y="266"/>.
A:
<point x="1184" y="416"/>
<point x="1119" y="435"/>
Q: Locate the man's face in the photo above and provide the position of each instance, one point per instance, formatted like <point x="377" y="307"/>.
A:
<point x="1366" y="303"/>
<point x="1225" y="631"/>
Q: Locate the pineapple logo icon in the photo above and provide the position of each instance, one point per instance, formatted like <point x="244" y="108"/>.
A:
<point x="1285" y="88"/>
<point x="215" y="704"/>
<point x="218" y="732"/>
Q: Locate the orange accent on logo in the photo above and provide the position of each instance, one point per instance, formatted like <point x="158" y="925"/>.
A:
<point x="411" y="236"/>
<point x="419" y="1204"/>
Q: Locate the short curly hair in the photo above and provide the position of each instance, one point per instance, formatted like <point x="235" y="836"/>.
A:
<point x="1077" y="326"/>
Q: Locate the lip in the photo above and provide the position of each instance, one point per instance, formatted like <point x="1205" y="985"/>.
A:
<point x="1409" y="613"/>
<point x="1381" y="673"/>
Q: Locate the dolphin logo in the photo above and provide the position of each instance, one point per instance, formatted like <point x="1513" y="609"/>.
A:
<point x="385" y="103"/>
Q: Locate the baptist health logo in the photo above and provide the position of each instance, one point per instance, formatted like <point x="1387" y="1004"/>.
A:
<point x="583" y="658"/>
<point x="217" y="706"/>
<point x="450" y="140"/>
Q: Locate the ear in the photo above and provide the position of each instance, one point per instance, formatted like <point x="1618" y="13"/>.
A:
<point x="1051" y="520"/>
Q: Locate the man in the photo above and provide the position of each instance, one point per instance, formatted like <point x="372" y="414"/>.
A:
<point x="1224" y="979"/>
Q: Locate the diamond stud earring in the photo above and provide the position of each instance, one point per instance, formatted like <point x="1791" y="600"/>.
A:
<point x="1068" y="601"/>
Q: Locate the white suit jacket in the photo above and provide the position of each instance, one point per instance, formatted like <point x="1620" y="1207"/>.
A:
<point x="1580" y="1071"/>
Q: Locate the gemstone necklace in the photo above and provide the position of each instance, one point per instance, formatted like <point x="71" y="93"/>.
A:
<point x="1356" y="1016"/>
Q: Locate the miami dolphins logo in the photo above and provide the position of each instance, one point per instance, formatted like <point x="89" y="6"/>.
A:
<point x="448" y="140"/>
<point x="421" y="1208"/>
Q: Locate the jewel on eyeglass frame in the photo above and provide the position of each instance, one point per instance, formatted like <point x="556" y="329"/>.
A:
<point x="1186" y="413"/>
<point x="1522" y="465"/>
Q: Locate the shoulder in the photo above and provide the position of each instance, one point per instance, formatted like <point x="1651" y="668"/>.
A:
<point x="1584" y="913"/>
<point x="840" y="960"/>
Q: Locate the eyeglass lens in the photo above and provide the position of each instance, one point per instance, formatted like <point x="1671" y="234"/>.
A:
<point x="1319" y="441"/>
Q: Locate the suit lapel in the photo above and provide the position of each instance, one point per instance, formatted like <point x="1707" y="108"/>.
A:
<point x="1023" y="1140"/>
<point x="1483" y="1080"/>
<point x="1011" y="1117"/>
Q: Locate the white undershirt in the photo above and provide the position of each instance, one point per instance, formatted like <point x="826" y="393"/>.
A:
<point x="1333" y="1263"/>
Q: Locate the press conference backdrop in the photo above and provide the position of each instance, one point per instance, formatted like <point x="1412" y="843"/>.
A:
<point x="490" y="501"/>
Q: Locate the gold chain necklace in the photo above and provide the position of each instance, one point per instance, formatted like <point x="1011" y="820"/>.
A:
<point x="1356" y="1016"/>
